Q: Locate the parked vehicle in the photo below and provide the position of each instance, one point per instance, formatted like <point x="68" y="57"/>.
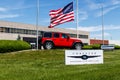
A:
<point x="51" y="40"/>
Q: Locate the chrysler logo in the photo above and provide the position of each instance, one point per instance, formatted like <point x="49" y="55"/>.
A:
<point x="84" y="57"/>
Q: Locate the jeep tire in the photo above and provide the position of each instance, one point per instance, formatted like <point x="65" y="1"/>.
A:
<point x="48" y="45"/>
<point x="78" y="46"/>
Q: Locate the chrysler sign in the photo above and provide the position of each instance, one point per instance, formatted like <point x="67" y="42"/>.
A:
<point x="76" y="57"/>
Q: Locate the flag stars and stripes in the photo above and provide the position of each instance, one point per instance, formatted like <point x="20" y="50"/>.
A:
<point x="61" y="16"/>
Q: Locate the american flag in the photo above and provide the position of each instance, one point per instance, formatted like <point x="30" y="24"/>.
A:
<point x="61" y="15"/>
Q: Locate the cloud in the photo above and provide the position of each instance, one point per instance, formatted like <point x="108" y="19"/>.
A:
<point x="112" y="27"/>
<point x="2" y="16"/>
<point x="97" y="28"/>
<point x="2" y="9"/>
<point x="107" y="10"/>
<point x="95" y="6"/>
<point x="89" y="29"/>
<point x="115" y="2"/>
<point x="46" y="5"/>
<point x="6" y="10"/>
<point x="45" y="20"/>
<point x="99" y="36"/>
<point x="6" y="14"/>
<point x="22" y="7"/>
<point x="92" y="5"/>
<point x="17" y="4"/>
<point x="83" y="15"/>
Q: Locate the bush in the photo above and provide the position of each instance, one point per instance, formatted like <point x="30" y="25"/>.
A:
<point x="96" y="46"/>
<point x="117" y="47"/>
<point x="10" y="45"/>
<point x="87" y="47"/>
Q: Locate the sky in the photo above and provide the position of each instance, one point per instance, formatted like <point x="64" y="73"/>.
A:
<point x="89" y="14"/>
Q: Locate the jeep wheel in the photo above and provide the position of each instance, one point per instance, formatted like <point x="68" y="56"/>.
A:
<point x="78" y="46"/>
<point x="48" y="45"/>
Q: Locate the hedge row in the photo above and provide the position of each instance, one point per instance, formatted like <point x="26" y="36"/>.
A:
<point x="117" y="47"/>
<point x="13" y="45"/>
<point x="97" y="46"/>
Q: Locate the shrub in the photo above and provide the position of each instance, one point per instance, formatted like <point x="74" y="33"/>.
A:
<point x="13" y="45"/>
<point x="117" y="47"/>
<point x="96" y="46"/>
<point x="87" y="47"/>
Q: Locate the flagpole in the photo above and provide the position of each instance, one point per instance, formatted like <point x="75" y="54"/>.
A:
<point x="37" y="23"/>
<point x="102" y="25"/>
<point x="77" y="21"/>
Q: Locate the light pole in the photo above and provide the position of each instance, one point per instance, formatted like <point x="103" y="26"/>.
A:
<point x="37" y="23"/>
<point x="77" y="20"/>
<point x="102" y="25"/>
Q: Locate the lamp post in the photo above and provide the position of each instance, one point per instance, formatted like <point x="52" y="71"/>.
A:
<point x="37" y="23"/>
<point x="102" y="25"/>
<point x="77" y="20"/>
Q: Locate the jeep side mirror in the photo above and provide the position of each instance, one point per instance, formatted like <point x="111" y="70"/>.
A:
<point x="68" y="37"/>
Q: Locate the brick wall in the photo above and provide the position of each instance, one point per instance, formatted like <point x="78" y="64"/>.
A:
<point x="95" y="41"/>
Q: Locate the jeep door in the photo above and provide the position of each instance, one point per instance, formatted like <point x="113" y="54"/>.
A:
<point x="64" y="40"/>
<point x="56" y="39"/>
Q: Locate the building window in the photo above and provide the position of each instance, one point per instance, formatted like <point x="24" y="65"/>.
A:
<point x="1" y="29"/>
<point x="73" y="35"/>
<point x="83" y="36"/>
<point x="80" y="36"/>
<point x="33" y="32"/>
<point x="7" y="30"/>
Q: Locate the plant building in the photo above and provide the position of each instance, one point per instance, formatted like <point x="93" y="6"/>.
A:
<point x="27" y="32"/>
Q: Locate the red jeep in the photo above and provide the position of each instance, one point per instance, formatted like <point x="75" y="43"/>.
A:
<point x="50" y="40"/>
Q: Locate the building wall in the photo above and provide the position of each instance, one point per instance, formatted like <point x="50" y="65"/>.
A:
<point x="7" y="36"/>
<point x="95" y="41"/>
<point x="84" y="35"/>
<point x="11" y="36"/>
<point x="115" y="42"/>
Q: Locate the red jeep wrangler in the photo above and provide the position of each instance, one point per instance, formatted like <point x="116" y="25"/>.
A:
<point x="50" y="40"/>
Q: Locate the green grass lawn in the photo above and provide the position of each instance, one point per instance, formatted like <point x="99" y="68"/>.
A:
<point x="49" y="65"/>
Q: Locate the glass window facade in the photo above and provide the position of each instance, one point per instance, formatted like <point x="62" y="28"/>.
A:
<point x="73" y="35"/>
<point x="18" y="31"/>
<point x="33" y="32"/>
<point x="83" y="36"/>
<point x="80" y="36"/>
